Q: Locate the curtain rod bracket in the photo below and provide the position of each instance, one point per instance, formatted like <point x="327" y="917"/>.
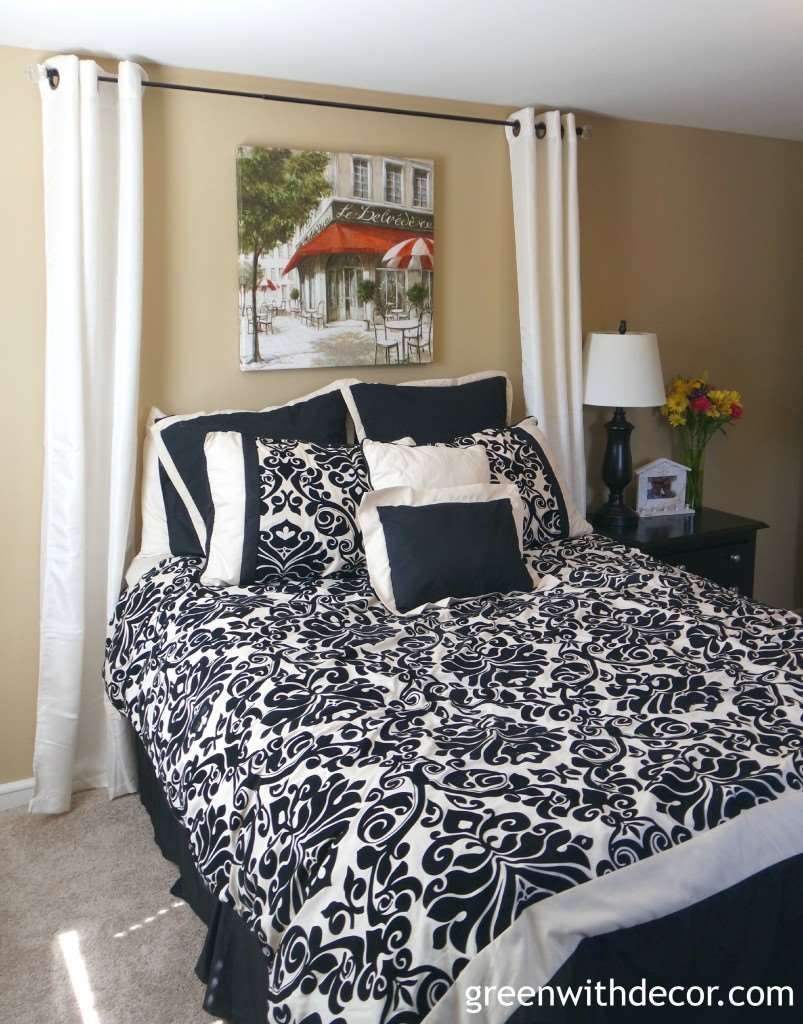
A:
<point x="581" y="131"/>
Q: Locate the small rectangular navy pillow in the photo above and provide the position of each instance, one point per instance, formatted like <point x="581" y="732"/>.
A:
<point x="428" y="412"/>
<point x="423" y="546"/>
<point x="179" y="441"/>
<point x="452" y="550"/>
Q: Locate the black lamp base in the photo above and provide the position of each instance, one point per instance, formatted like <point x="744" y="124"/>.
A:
<point x="617" y="472"/>
<point x="615" y="517"/>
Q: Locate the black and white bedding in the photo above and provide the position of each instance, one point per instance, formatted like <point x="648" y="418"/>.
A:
<point x="402" y="807"/>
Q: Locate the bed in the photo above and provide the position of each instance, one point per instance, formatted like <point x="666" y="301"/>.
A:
<point x="380" y="815"/>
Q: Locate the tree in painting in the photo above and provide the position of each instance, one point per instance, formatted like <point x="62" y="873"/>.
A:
<point x="278" y="190"/>
<point x="245" y="274"/>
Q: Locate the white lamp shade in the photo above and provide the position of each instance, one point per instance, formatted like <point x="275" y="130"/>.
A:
<point x="622" y="370"/>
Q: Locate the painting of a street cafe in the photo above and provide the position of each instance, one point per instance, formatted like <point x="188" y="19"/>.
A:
<point x="337" y="258"/>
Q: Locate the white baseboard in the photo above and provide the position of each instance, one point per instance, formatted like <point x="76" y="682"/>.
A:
<point x="15" y="794"/>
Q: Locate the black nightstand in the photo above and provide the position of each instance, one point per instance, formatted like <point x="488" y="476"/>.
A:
<point x="717" y="545"/>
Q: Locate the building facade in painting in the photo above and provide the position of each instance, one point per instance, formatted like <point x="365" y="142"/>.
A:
<point x="376" y="202"/>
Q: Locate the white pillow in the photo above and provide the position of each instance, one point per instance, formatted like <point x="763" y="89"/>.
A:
<point x="428" y="559"/>
<point x="155" y="540"/>
<point x="427" y="465"/>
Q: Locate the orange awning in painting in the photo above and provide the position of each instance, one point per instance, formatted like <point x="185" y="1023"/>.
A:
<point x="359" y="239"/>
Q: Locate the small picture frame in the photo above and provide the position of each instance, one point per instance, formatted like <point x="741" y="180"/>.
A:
<point x="661" y="489"/>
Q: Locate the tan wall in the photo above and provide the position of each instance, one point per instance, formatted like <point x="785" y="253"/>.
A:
<point x="22" y="324"/>
<point x="698" y="236"/>
<point x="190" y="343"/>
<point x="693" y="234"/>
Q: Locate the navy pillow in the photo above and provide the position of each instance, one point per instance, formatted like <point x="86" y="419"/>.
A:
<point x="321" y="420"/>
<point x="432" y="413"/>
<point x="452" y="549"/>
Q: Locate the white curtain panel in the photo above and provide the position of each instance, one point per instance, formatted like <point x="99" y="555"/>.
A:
<point x="93" y="249"/>
<point x="547" y="226"/>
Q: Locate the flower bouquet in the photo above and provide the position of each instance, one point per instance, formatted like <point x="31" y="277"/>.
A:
<point x="697" y="411"/>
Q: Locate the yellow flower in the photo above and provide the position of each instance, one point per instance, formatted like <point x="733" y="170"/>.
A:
<point x="724" y="401"/>
<point x="721" y="403"/>
<point x="677" y="402"/>
<point x="677" y="405"/>
<point x="680" y="386"/>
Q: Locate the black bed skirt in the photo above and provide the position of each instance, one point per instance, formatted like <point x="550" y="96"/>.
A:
<point x="751" y="934"/>
<point x="232" y="964"/>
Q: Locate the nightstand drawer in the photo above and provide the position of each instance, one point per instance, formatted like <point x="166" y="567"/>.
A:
<point x="731" y="565"/>
<point x="714" y="544"/>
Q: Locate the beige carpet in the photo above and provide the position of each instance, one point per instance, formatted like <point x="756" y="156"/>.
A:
<point x="89" y="933"/>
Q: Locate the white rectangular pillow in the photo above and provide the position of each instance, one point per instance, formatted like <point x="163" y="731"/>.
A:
<point x="155" y="540"/>
<point x="424" y="466"/>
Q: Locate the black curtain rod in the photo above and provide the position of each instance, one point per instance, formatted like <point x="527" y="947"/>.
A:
<point x="540" y="128"/>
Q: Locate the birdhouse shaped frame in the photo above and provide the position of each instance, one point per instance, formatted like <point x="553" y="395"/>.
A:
<point x="661" y="489"/>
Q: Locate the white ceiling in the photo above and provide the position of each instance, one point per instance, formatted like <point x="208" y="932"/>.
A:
<point x="735" y="65"/>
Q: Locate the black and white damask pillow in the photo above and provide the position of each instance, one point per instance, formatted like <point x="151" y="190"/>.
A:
<point x="521" y="455"/>
<point x="283" y="510"/>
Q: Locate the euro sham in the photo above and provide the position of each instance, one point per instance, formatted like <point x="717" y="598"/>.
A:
<point x="429" y="411"/>
<point x="319" y="418"/>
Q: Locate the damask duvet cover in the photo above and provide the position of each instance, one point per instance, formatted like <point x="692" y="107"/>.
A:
<point x="404" y="808"/>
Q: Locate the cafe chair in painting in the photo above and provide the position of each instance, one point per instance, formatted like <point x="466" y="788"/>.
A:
<point x="383" y="341"/>
<point x="421" y="341"/>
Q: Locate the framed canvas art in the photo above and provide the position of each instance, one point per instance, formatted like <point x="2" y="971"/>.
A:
<point x="337" y="259"/>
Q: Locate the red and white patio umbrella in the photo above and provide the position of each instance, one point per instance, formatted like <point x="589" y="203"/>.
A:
<point x="412" y="253"/>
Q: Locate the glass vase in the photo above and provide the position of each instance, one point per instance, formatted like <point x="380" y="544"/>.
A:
<point x="693" y="456"/>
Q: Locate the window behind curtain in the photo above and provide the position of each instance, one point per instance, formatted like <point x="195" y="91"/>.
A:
<point x="420" y="187"/>
<point x="393" y="183"/>
<point x="360" y="178"/>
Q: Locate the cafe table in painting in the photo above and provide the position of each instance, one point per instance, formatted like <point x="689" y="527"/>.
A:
<point x="404" y="327"/>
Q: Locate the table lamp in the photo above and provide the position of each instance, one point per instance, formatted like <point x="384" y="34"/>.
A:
<point x="620" y="369"/>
